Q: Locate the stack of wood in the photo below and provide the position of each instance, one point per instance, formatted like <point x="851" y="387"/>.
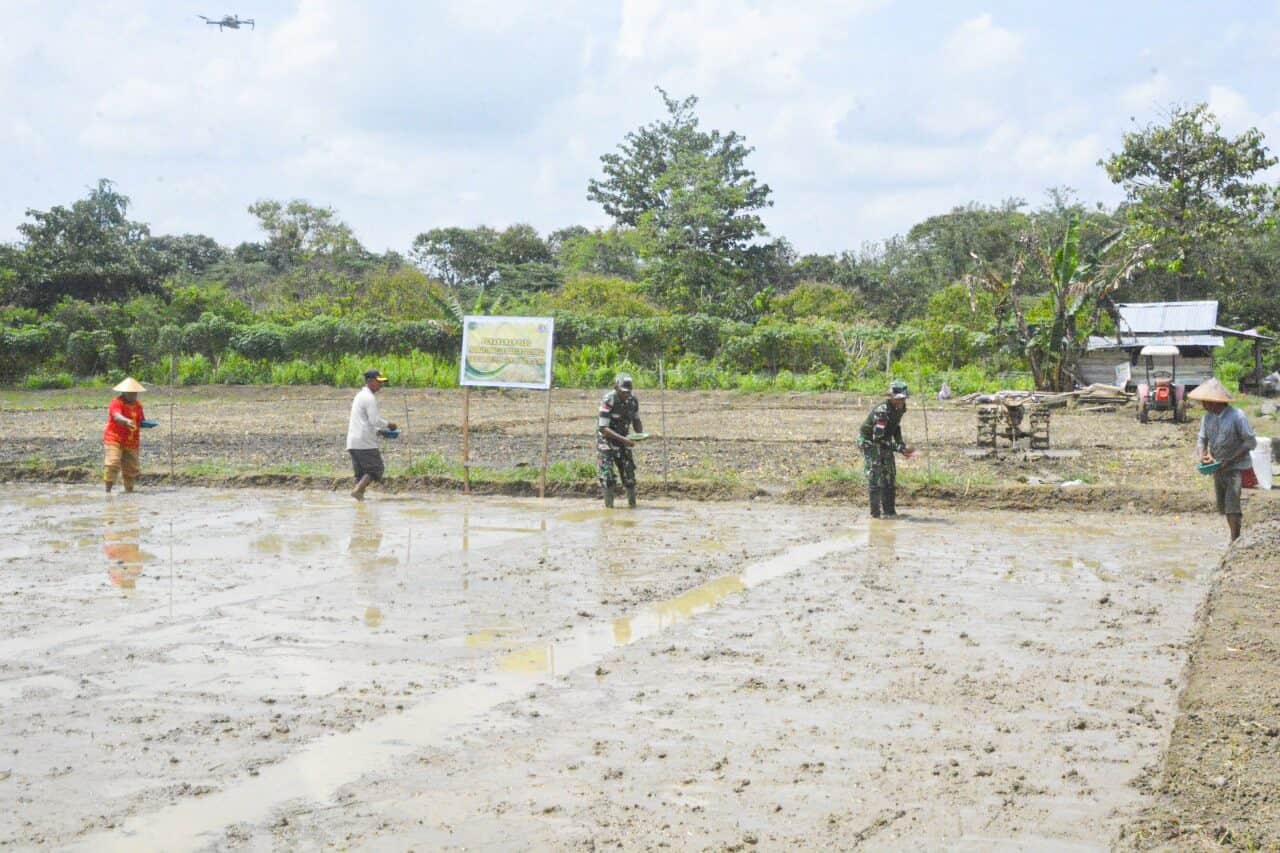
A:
<point x="1101" y="394"/>
<point x="1097" y="396"/>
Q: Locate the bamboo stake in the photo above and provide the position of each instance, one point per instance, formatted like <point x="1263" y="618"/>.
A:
<point x="546" y="441"/>
<point x="662" y="405"/>
<point x="924" y="409"/>
<point x="466" y="439"/>
<point x="171" y="383"/>
<point x="408" y="432"/>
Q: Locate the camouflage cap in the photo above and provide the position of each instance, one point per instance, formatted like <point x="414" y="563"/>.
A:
<point x="898" y="390"/>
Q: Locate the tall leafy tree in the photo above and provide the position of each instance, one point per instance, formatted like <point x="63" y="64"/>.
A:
<point x="185" y="253"/>
<point x="90" y="250"/>
<point x="300" y="231"/>
<point x="474" y="261"/>
<point x="693" y="200"/>
<point x="1192" y="195"/>
<point x="611" y="252"/>
<point x="458" y="257"/>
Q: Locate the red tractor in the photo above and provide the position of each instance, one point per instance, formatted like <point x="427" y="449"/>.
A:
<point x="1161" y="392"/>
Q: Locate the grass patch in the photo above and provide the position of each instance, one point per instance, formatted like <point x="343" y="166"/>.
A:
<point x="71" y="398"/>
<point x="435" y="465"/>
<point x="706" y="471"/>
<point x="301" y="469"/>
<point x="214" y="468"/>
<point x="923" y="477"/>
<point x="576" y="471"/>
<point x="431" y="465"/>
<point x="834" y="474"/>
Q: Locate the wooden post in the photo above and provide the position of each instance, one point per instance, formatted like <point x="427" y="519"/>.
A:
<point x="171" y="382"/>
<point x="408" y="432"/>
<point x="546" y="441"/>
<point x="662" y="405"/>
<point x="466" y="439"/>
<point x="924" y="409"/>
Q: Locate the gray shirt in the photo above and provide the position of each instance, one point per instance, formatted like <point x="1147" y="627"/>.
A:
<point x="1227" y="435"/>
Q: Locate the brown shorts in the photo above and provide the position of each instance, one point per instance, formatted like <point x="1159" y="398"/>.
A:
<point x="121" y="460"/>
<point x="1226" y="491"/>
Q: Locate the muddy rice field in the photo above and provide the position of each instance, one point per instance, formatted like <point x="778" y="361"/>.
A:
<point x="1043" y="653"/>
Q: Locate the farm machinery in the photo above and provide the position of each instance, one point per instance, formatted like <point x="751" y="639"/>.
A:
<point x="1011" y="420"/>
<point x="1161" y="393"/>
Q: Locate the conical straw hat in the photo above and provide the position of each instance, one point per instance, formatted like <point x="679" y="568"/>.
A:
<point x="129" y="384"/>
<point x="1212" y="391"/>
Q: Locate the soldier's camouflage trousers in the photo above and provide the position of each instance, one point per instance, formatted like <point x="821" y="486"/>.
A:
<point x="879" y="466"/>
<point x="621" y="459"/>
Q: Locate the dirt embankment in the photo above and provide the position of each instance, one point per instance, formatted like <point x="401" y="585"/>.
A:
<point x="1220" y="782"/>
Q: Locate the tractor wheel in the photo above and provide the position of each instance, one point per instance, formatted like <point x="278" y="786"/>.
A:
<point x="986" y="427"/>
<point x="1040" y="430"/>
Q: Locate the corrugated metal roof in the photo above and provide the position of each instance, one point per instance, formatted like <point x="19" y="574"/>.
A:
<point x="1155" y="317"/>
<point x="1247" y="334"/>
<point x="1129" y="341"/>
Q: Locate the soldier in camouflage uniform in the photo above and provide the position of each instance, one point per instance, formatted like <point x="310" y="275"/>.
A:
<point x="619" y="412"/>
<point x="879" y="438"/>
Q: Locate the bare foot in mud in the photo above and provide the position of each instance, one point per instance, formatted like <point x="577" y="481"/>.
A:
<point x="357" y="494"/>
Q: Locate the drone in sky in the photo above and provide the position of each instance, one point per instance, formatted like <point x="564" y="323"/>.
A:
<point x="228" y="21"/>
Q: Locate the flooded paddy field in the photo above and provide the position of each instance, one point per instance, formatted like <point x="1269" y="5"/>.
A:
<point x="201" y="668"/>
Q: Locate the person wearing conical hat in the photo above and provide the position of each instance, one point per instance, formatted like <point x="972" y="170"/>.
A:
<point x="1226" y="437"/>
<point x="120" y="439"/>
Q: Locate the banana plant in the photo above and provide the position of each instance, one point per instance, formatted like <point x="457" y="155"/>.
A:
<point x="1075" y="291"/>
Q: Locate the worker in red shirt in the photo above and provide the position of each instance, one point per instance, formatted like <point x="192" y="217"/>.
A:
<point x="121" y="437"/>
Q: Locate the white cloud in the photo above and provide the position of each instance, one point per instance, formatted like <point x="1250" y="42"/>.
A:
<point x="960" y="115"/>
<point x="1143" y="97"/>
<point x="461" y="112"/>
<point x="1231" y="107"/>
<point x="979" y="45"/>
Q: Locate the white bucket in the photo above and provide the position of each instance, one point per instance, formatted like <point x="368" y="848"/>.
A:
<point x="1262" y="462"/>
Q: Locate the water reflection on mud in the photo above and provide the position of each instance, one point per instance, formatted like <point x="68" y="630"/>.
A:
<point x="121" y="543"/>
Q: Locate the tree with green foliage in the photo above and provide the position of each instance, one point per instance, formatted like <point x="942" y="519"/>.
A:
<point x="602" y="252"/>
<point x="89" y="251"/>
<point x="300" y="231"/>
<point x="599" y="295"/>
<point x="693" y="202"/>
<point x="1051" y="331"/>
<point x="460" y="258"/>
<point x="818" y="299"/>
<point x="190" y="254"/>
<point x="1192" y="196"/>
<point x="475" y="263"/>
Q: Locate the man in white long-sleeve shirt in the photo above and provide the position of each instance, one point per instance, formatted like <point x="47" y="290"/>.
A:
<point x="363" y="428"/>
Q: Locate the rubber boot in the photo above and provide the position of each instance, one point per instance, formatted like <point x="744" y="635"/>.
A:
<point x="631" y="496"/>
<point x="608" y="495"/>
<point x="875" y="501"/>
<point x="888" y="499"/>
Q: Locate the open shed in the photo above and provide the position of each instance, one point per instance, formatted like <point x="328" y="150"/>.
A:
<point x="1192" y="327"/>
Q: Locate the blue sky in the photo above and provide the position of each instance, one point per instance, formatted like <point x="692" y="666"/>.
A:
<point x="866" y="115"/>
